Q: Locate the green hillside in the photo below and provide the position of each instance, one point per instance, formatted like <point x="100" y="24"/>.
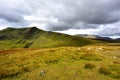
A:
<point x="35" y="38"/>
<point x="50" y="39"/>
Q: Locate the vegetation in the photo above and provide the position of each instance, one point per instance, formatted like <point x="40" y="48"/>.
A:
<point x="89" y="66"/>
<point x="62" y="63"/>
<point x="104" y="70"/>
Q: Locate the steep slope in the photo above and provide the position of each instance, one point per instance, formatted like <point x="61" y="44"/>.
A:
<point x="51" y="39"/>
<point x="36" y="38"/>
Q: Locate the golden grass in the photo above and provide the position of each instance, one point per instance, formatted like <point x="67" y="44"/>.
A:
<point x="62" y="63"/>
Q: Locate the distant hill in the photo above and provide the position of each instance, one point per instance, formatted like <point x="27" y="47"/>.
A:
<point x="36" y="38"/>
<point x="117" y="40"/>
<point x="100" y="38"/>
<point x="87" y="36"/>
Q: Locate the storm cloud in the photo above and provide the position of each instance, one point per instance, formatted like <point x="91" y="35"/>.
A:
<point x="63" y="15"/>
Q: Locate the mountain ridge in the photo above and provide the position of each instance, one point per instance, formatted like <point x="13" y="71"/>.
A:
<point x="36" y="38"/>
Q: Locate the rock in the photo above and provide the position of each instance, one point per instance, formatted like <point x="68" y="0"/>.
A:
<point x="42" y="72"/>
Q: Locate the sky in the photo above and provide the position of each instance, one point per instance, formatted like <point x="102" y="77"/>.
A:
<point x="98" y="17"/>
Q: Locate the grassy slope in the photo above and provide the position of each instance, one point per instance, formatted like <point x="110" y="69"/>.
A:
<point x="63" y="63"/>
<point x="50" y="39"/>
<point x="34" y="38"/>
<point x="12" y="44"/>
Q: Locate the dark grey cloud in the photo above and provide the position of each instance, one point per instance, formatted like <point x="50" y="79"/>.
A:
<point x="61" y="15"/>
<point x="74" y="13"/>
<point x="11" y="16"/>
<point x="12" y="12"/>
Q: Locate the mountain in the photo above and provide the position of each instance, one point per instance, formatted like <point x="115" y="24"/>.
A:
<point x="36" y="38"/>
<point x="117" y="39"/>
<point x="99" y="38"/>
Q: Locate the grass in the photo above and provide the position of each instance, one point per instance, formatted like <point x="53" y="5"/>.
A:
<point x="62" y="63"/>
